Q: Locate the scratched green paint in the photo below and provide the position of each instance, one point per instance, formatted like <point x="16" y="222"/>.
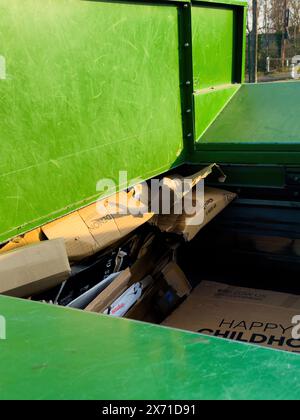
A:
<point x="214" y="61"/>
<point x="57" y="353"/>
<point x="213" y="45"/>
<point x="208" y="105"/>
<point x="92" y="88"/>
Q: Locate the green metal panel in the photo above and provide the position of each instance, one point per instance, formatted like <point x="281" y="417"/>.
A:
<point x="218" y="48"/>
<point x="53" y="352"/>
<point x="92" y="88"/>
<point x="208" y="105"/>
<point x="213" y="45"/>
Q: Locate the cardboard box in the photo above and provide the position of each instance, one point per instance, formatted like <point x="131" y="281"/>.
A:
<point x="215" y="200"/>
<point x="33" y="269"/>
<point x="89" y="230"/>
<point x="143" y="267"/>
<point x="235" y="313"/>
<point x="162" y="296"/>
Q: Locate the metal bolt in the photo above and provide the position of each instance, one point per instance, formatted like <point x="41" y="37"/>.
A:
<point x="187" y="82"/>
<point x="186" y="5"/>
<point x="188" y="111"/>
<point x="186" y="45"/>
<point x="189" y="135"/>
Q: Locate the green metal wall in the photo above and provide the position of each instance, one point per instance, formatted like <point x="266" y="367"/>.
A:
<point x="213" y="45"/>
<point x="92" y="88"/>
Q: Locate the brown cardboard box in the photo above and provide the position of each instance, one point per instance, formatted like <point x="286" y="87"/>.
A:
<point x="215" y="200"/>
<point x="247" y="315"/>
<point x="149" y="307"/>
<point x="88" y="231"/>
<point x="146" y="265"/>
<point x="33" y="269"/>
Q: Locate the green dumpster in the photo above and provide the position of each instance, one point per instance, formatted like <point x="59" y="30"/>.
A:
<point x="92" y="88"/>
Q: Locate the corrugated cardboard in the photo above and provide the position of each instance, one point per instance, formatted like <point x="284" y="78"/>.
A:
<point x="215" y="200"/>
<point x="33" y="269"/>
<point x="247" y="315"/>
<point x="29" y="238"/>
<point x="88" y="231"/>
<point x="179" y="186"/>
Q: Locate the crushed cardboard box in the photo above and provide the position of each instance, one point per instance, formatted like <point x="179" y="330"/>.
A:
<point x="33" y="269"/>
<point x="247" y="315"/>
<point x="161" y="297"/>
<point x="154" y="263"/>
<point x="94" y="227"/>
<point x="215" y="200"/>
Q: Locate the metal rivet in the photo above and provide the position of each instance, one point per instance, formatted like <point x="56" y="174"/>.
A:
<point x="189" y="135"/>
<point x="186" y="5"/>
<point x="187" y="82"/>
<point x="188" y="111"/>
<point x="186" y="45"/>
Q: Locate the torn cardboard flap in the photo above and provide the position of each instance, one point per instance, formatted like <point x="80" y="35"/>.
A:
<point x="215" y="200"/>
<point x="93" y="228"/>
<point x="33" y="269"/>
<point x="248" y="315"/>
<point x="176" y="278"/>
<point x="180" y="186"/>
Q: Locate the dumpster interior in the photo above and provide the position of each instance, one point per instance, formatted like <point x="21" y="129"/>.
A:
<point x="252" y="245"/>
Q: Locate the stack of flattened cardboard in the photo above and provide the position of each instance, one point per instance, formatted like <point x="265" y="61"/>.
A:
<point x="236" y="313"/>
<point x="95" y="227"/>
